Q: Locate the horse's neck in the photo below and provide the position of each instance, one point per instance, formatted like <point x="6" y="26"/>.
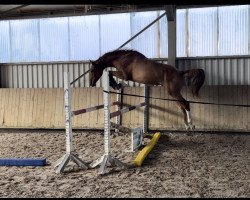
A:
<point x="105" y="62"/>
<point x="103" y="65"/>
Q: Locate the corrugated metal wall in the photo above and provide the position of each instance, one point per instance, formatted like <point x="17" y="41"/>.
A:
<point x="42" y="75"/>
<point x="219" y="71"/>
<point x="48" y="75"/>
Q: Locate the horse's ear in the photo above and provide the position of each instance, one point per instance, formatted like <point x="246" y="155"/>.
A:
<point x="92" y="62"/>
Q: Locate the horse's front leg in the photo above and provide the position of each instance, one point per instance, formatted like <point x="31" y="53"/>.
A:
<point x="112" y="82"/>
<point x="120" y="73"/>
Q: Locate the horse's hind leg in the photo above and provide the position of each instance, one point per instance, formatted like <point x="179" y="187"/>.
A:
<point x="185" y="115"/>
<point x="189" y="120"/>
<point x="184" y="105"/>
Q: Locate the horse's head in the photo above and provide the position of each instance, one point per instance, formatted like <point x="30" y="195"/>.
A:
<point x="95" y="74"/>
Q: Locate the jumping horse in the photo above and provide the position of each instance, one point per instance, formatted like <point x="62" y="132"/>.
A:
<point x="134" y="66"/>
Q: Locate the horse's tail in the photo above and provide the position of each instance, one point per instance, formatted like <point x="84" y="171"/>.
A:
<point x="197" y="78"/>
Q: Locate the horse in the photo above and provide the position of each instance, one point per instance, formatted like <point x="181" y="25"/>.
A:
<point x="132" y="65"/>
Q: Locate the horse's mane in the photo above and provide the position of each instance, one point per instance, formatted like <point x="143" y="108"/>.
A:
<point x="124" y="51"/>
<point x="125" y="54"/>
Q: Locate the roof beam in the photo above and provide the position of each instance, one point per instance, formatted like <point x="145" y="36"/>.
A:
<point x="12" y="9"/>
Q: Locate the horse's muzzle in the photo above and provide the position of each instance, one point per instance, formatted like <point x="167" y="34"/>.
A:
<point x="91" y="83"/>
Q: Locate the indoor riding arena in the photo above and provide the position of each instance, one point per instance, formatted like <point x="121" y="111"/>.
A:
<point x="100" y="101"/>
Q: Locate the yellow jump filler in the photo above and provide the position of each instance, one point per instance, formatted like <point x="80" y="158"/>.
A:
<point x="146" y="150"/>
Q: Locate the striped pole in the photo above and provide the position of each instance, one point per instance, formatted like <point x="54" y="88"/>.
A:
<point x="85" y="110"/>
<point x="124" y="110"/>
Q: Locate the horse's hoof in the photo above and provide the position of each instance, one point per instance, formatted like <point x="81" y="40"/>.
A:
<point x="117" y="87"/>
<point x="190" y="127"/>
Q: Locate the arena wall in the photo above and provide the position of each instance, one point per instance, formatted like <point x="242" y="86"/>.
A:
<point x="44" y="108"/>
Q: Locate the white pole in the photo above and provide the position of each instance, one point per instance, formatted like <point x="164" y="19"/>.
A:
<point x="68" y="121"/>
<point x="63" y="161"/>
<point x="106" y="102"/>
<point x="106" y="158"/>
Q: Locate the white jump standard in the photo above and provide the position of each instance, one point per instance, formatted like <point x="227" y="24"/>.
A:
<point x="107" y="157"/>
<point x="63" y="161"/>
<point x="136" y="134"/>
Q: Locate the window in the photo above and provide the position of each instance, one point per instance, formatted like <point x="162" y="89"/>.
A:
<point x="84" y="37"/>
<point x="114" y="31"/>
<point x="54" y="39"/>
<point x="214" y="31"/>
<point x="4" y="42"/>
<point x="233" y="30"/>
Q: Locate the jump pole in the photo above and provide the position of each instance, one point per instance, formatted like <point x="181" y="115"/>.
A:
<point x="107" y="157"/>
<point x="63" y="161"/>
<point x="85" y="110"/>
<point x="22" y="161"/>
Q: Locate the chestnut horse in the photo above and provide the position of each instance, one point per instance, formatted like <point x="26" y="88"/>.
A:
<point x="134" y="66"/>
